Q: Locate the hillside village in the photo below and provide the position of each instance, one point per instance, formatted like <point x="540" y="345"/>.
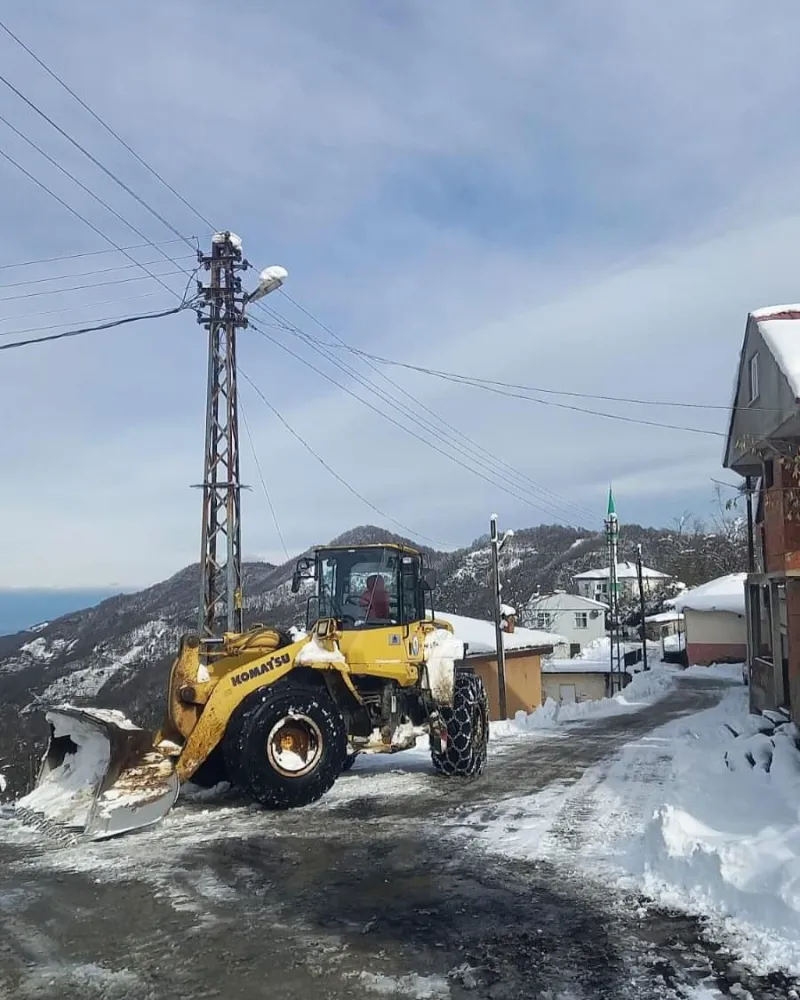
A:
<point x="684" y="597"/>
<point x="522" y="252"/>
<point x="118" y="654"/>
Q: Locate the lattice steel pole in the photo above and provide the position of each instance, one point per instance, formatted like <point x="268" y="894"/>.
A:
<point x="220" y="558"/>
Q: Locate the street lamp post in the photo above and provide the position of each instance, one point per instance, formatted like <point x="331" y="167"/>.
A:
<point x="497" y="544"/>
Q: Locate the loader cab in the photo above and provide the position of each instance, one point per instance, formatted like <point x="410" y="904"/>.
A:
<point x="367" y="586"/>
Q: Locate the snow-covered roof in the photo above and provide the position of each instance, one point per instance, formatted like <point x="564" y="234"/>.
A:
<point x="780" y="328"/>
<point x="625" y="571"/>
<point x="480" y="635"/>
<point x="726" y="593"/>
<point x="543" y="600"/>
<point x="575" y="666"/>
<point x="665" y="616"/>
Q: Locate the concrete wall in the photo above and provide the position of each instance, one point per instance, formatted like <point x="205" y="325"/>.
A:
<point x="587" y="686"/>
<point x="715" y="636"/>
<point x="523" y="682"/>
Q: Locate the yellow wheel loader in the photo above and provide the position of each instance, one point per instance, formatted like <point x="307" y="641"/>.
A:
<point x="280" y="719"/>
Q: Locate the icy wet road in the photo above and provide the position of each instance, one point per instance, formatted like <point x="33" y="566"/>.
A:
<point x="381" y="890"/>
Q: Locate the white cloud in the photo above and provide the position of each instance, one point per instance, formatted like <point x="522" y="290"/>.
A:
<point x="589" y="198"/>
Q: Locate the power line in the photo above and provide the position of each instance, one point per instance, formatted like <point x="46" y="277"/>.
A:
<point x="327" y="467"/>
<point x="90" y="253"/>
<point x="263" y="480"/>
<point x="97" y="163"/>
<point x="165" y="222"/>
<point x="85" y="305"/>
<point x="449" y="440"/>
<point x="92" y="329"/>
<point x="77" y="215"/>
<point x="105" y="125"/>
<point x="92" y="284"/>
<point x="58" y="326"/>
<point x="87" y="274"/>
<point x="163" y="181"/>
<point x="506" y="469"/>
<point x="428" y="444"/>
<point x="481" y="382"/>
<point x="91" y="194"/>
<point x="492" y="386"/>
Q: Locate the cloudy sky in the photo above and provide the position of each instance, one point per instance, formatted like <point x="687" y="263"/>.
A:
<point x="578" y="197"/>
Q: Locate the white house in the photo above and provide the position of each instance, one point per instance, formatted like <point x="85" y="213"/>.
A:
<point x="715" y="622"/>
<point x="594" y="582"/>
<point x="580" y="620"/>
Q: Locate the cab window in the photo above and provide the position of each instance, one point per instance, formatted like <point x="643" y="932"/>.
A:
<point x="360" y="588"/>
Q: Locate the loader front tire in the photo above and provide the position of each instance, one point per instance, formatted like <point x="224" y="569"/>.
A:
<point x="464" y="753"/>
<point x="289" y="747"/>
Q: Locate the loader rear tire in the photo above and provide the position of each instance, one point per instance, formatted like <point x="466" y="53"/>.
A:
<point x="288" y="748"/>
<point x="467" y="730"/>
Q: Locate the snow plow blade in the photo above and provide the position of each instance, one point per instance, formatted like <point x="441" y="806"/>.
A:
<point x="100" y="775"/>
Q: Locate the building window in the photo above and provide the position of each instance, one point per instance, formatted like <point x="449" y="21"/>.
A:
<point x="761" y="622"/>
<point x="544" y="619"/>
<point x="574" y="649"/>
<point x="769" y="473"/>
<point x="581" y="619"/>
<point x="754" y="378"/>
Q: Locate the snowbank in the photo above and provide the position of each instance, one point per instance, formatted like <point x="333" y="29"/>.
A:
<point x="726" y="593"/>
<point x="726" y="838"/>
<point x="644" y="689"/>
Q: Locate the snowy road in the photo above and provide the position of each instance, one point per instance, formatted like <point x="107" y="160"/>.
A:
<point x="390" y="887"/>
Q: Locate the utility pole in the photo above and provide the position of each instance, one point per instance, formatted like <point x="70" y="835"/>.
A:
<point x="222" y="314"/>
<point x="640" y="577"/>
<point x="615" y="645"/>
<point x="497" y="544"/>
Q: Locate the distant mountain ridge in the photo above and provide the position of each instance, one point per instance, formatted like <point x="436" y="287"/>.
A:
<point x="24" y="607"/>
<point x="118" y="653"/>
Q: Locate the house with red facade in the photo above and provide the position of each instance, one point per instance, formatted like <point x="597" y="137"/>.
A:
<point x="763" y="446"/>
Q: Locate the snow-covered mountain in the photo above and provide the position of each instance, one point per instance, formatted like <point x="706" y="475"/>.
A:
<point x="118" y="653"/>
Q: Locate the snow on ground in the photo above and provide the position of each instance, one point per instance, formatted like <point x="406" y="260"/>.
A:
<point x="725" y="840"/>
<point x="702" y="814"/>
<point x="413" y="985"/>
<point x="645" y="688"/>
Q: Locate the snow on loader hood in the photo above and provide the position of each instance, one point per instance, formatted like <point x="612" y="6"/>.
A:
<point x="100" y="774"/>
